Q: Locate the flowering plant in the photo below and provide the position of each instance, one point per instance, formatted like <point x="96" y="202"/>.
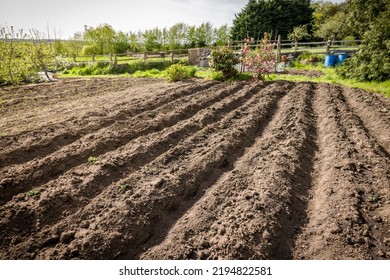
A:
<point x="259" y="61"/>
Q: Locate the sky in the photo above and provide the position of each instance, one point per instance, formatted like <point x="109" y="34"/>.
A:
<point x="65" y="17"/>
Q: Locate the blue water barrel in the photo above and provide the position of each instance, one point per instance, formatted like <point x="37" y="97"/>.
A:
<point x="330" y="60"/>
<point x="342" y="57"/>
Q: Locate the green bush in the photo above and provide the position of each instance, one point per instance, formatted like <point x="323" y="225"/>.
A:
<point x="178" y="72"/>
<point x="224" y="60"/>
<point x="106" y="68"/>
<point x="191" y="71"/>
<point x="217" y="76"/>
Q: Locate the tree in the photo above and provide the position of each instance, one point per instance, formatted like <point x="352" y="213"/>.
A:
<point x="121" y="42"/>
<point x="204" y="34"/>
<point x="298" y="33"/>
<point x="42" y="52"/>
<point x="330" y="21"/>
<point x="277" y="17"/>
<point x="177" y="35"/>
<point x="222" y="35"/>
<point x="75" y="44"/>
<point x="14" y="63"/>
<point x="191" y="37"/>
<point x="153" y="39"/>
<point x="372" y="61"/>
<point x="99" y="40"/>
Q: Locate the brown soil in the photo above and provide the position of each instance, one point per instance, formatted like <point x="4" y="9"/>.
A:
<point x="119" y="168"/>
<point x="307" y="73"/>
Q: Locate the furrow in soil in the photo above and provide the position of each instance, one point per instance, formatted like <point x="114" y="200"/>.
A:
<point x="374" y="112"/>
<point x="348" y="216"/>
<point x="255" y="210"/>
<point x="24" y="177"/>
<point x="66" y="132"/>
<point x="146" y="196"/>
<point x="76" y="188"/>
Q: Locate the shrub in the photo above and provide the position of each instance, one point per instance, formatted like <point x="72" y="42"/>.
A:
<point x="217" y="76"/>
<point x="224" y="60"/>
<point x="191" y="71"/>
<point x="177" y="72"/>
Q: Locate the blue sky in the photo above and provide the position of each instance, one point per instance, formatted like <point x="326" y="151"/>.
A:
<point x="69" y="16"/>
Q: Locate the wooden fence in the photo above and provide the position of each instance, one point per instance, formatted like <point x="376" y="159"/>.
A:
<point x="170" y="55"/>
<point x="324" y="47"/>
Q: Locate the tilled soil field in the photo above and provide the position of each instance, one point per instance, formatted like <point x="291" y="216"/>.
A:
<point x="120" y="168"/>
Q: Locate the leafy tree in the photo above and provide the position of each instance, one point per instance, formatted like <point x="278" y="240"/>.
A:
<point x="372" y="61"/>
<point x="277" y="17"/>
<point x="298" y="33"/>
<point x="191" y="37"/>
<point x="121" y="42"/>
<point x="75" y="44"/>
<point x="222" y="35"/>
<point x="334" y="28"/>
<point x="41" y="52"/>
<point x="152" y="39"/>
<point x="177" y="35"/>
<point x="204" y="34"/>
<point x="99" y="40"/>
<point x="14" y="66"/>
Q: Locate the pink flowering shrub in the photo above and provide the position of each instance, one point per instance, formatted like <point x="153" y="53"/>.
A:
<point x="259" y="61"/>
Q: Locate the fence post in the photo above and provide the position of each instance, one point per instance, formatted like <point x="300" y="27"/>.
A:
<point x="172" y="56"/>
<point x="115" y="60"/>
<point x="74" y="58"/>
<point x="279" y="48"/>
<point x="328" y="44"/>
<point x="93" y="58"/>
<point x="145" y="56"/>
<point x="110" y="57"/>
<point x="296" y="46"/>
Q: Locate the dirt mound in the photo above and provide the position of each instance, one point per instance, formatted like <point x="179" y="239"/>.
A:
<point x="142" y="169"/>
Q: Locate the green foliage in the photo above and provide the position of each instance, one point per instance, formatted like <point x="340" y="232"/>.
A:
<point x="223" y="59"/>
<point x="277" y="17"/>
<point x="20" y="60"/>
<point x="217" y="76"/>
<point x="329" y="20"/>
<point x="298" y="33"/>
<point x="124" y="188"/>
<point x="92" y="160"/>
<point x="32" y="193"/>
<point x="138" y="68"/>
<point x="99" y="40"/>
<point x="153" y="73"/>
<point x="222" y="35"/>
<point x="372" y="61"/>
<point x="178" y="72"/>
<point x="334" y="28"/>
<point x="191" y="71"/>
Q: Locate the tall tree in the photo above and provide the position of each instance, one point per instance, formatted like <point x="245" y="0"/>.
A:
<point x="100" y="40"/>
<point x="204" y="34"/>
<point x="222" y="35"/>
<point x="277" y="17"/>
<point x="153" y="39"/>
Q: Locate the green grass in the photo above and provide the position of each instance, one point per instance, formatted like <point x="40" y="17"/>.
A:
<point x="330" y="76"/>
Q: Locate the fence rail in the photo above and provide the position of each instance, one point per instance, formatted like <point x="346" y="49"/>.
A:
<point x="129" y="56"/>
<point x="281" y="48"/>
<point x="323" y="47"/>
